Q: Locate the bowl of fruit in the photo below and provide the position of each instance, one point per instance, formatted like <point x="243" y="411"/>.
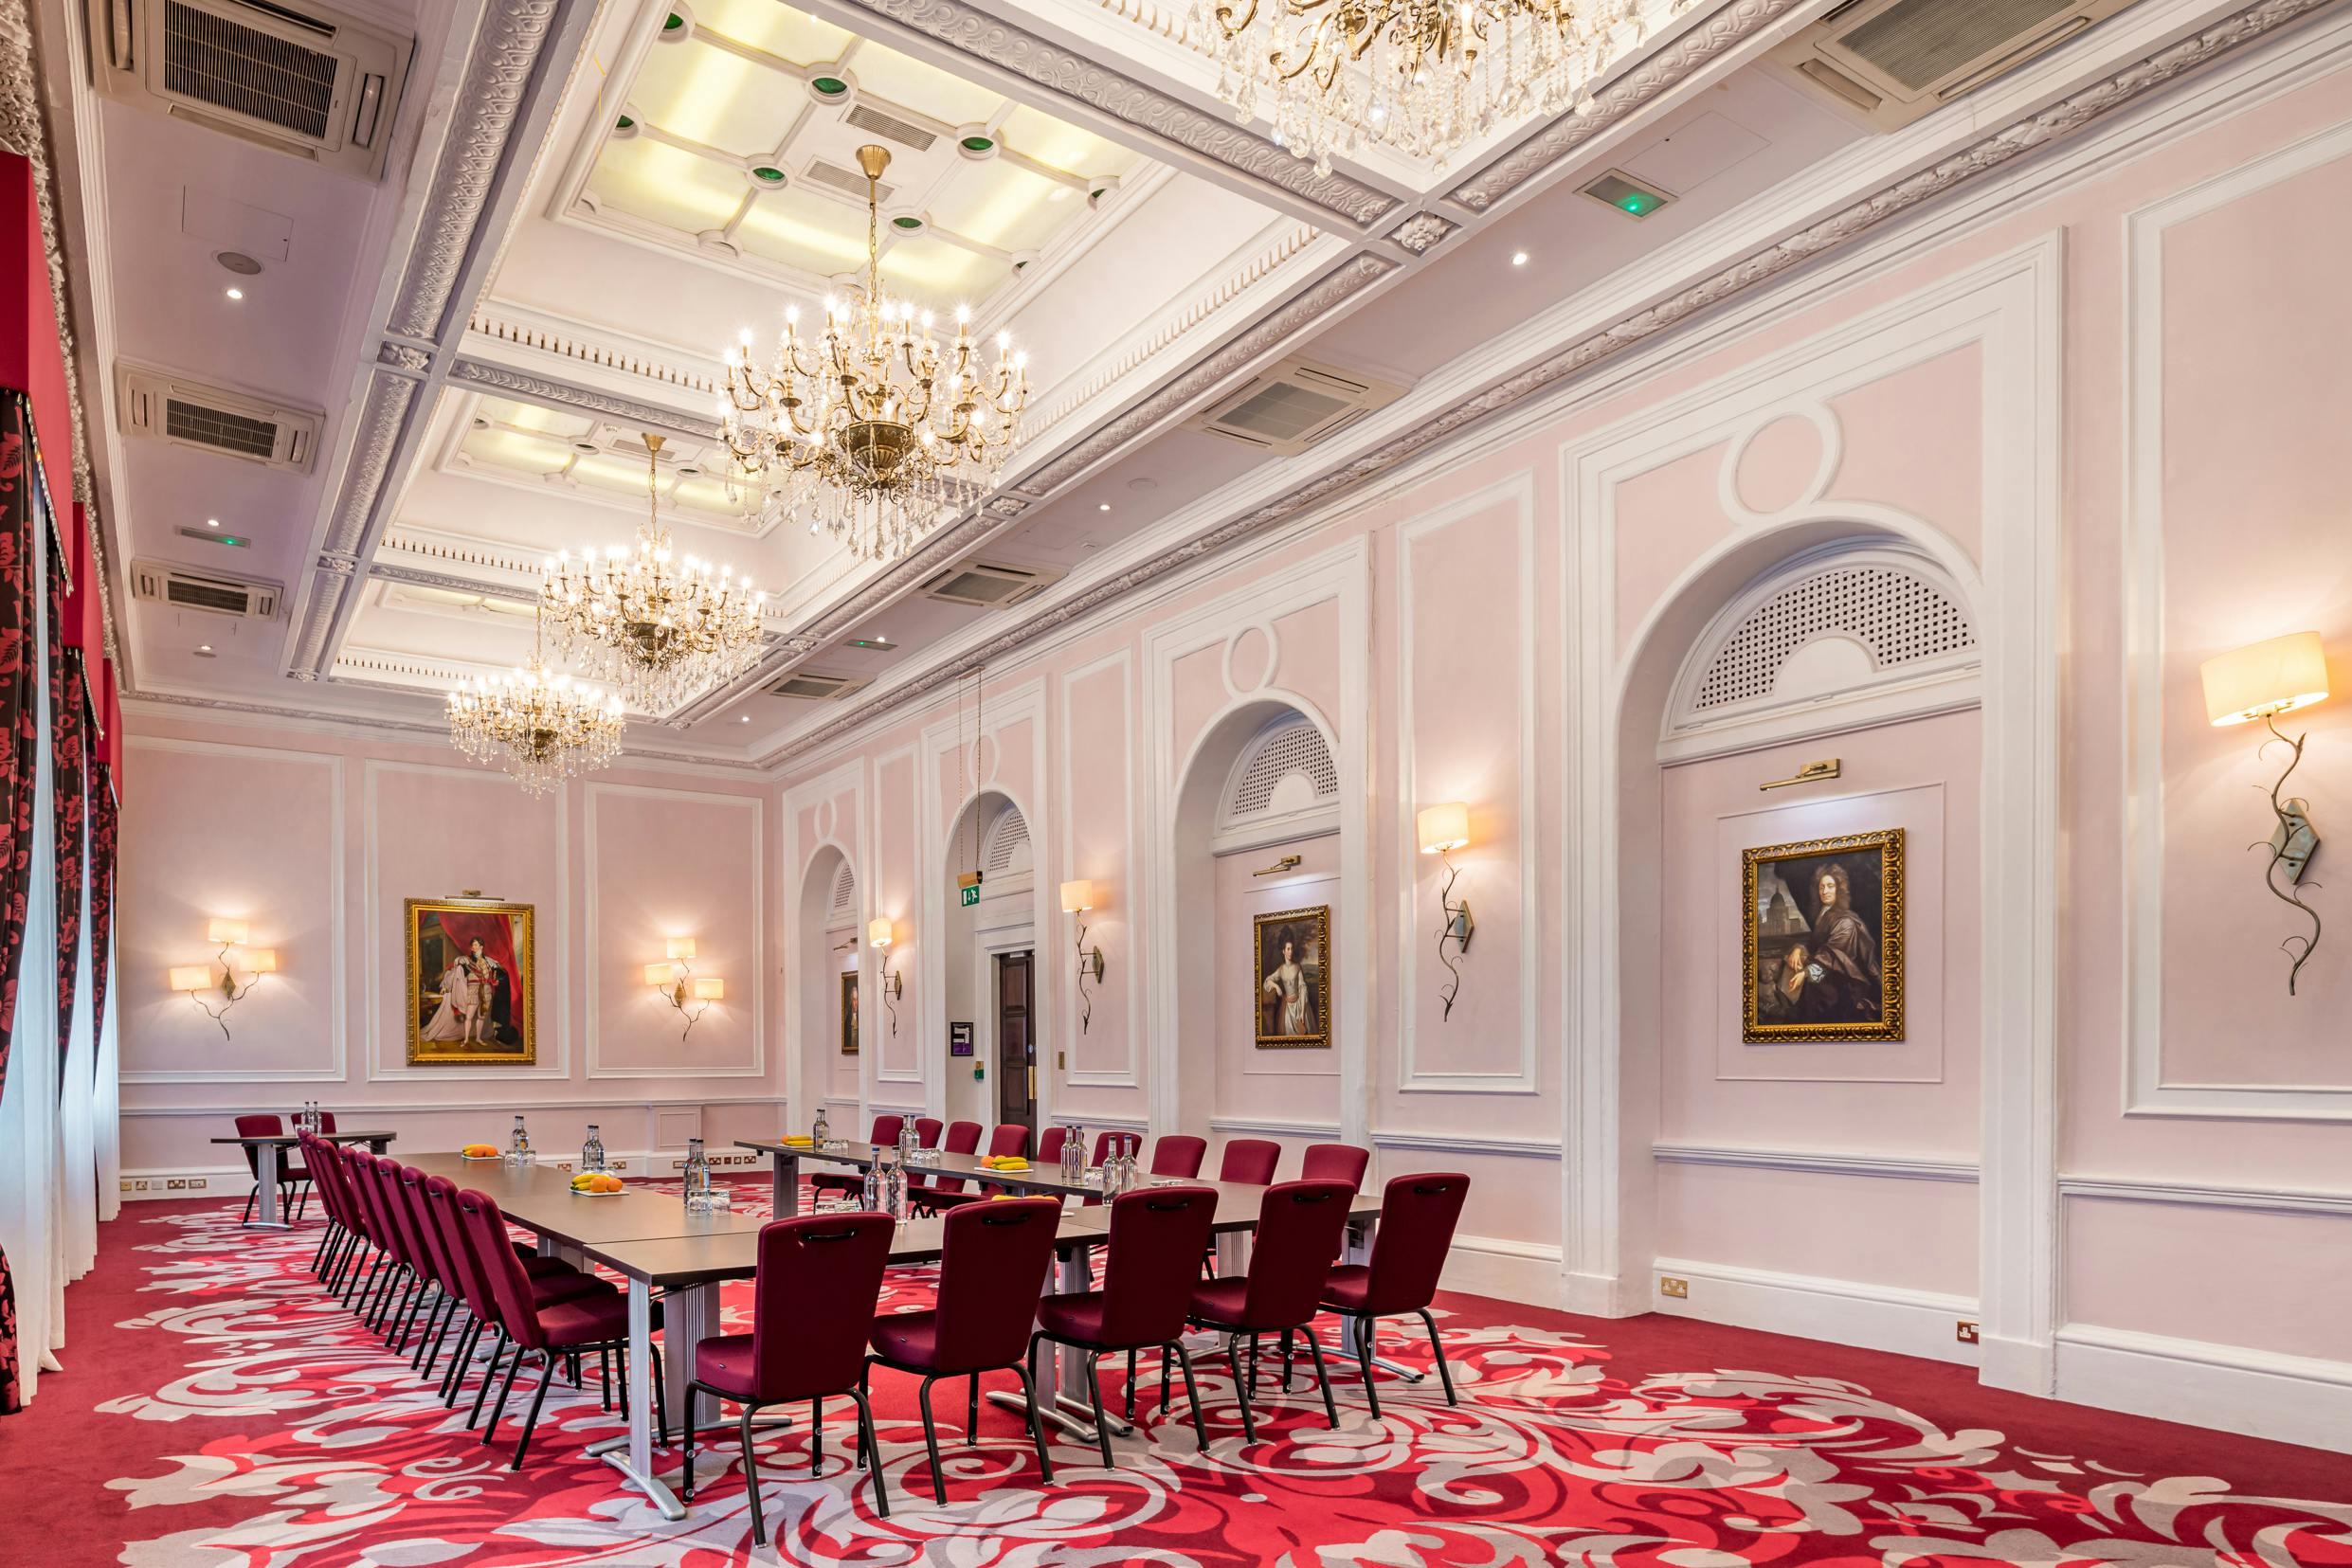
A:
<point x="595" y="1185"/>
<point x="479" y="1152"/>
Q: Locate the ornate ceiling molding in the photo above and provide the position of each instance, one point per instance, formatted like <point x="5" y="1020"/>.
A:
<point x="1422" y="232"/>
<point x="2031" y="134"/>
<point x="1069" y="74"/>
<point x="1690" y="50"/>
<point x="545" y="390"/>
<point x="547" y="340"/>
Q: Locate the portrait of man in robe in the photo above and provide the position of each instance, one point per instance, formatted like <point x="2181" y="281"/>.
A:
<point x="471" y="982"/>
<point x="1822" y="940"/>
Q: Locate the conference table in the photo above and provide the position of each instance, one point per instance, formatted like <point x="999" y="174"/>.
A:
<point x="649" y="1239"/>
<point x="269" y="1158"/>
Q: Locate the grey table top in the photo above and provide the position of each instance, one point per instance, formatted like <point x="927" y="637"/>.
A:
<point x="286" y="1140"/>
<point x="539" y="1197"/>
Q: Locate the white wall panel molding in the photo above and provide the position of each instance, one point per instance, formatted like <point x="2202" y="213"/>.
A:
<point x="1417" y="936"/>
<point x="2149" y="1090"/>
<point x="1466" y="1143"/>
<point x="1819" y="1161"/>
<point x="821" y="797"/>
<point x="879" y="1071"/>
<point x="1843" y="1311"/>
<point x="382" y="1011"/>
<point x="2264" y="1394"/>
<point x="592" y="897"/>
<point x="336" y="1066"/>
<point x="463" y="1107"/>
<point x="1259" y="1127"/>
<point x="1127" y="882"/>
<point x="1343" y="575"/>
<point x="2335" y="1202"/>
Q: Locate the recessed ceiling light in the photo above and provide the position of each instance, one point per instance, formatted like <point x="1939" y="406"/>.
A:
<point x="1518" y="258"/>
<point x="204" y="650"/>
<point x="211" y="522"/>
<point x="747" y="718"/>
<point x="1103" y="507"/>
<point x="236" y="294"/>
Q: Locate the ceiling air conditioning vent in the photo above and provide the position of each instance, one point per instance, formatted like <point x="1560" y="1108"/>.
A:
<point x="1294" y="404"/>
<point x="306" y="79"/>
<point x="188" y="413"/>
<point x="1889" y="62"/>
<point x="881" y="122"/>
<point x="211" y="591"/>
<point x="985" y="586"/>
<point x="809" y="686"/>
<point x="848" y="181"/>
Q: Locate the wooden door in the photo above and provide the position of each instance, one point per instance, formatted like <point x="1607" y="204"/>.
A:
<point x="1015" y="1041"/>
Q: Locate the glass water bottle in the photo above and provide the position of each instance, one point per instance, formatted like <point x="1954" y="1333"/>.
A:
<point x="820" y="1129"/>
<point x="697" y="1178"/>
<point x="592" y="1152"/>
<point x="872" y="1195"/>
<point x="518" y="1143"/>
<point x="1074" y="1155"/>
<point x="895" y="1190"/>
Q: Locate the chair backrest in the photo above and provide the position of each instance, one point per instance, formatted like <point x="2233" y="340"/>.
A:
<point x="962" y="1138"/>
<point x="927" y="1131"/>
<point x="1049" y="1145"/>
<point x="1010" y="1137"/>
<point x="1179" y="1154"/>
<point x="819" y="1279"/>
<point x="407" y="1246"/>
<point x="311" y="1162"/>
<point x="1105" y="1142"/>
<point x="359" y="1187"/>
<point x="1299" y="1228"/>
<point x="992" y="1262"/>
<point x="326" y="1174"/>
<point x="440" y="1205"/>
<point x="257" y="1126"/>
<point x="1417" y="1219"/>
<point x="886" y="1130"/>
<point x="502" y="1272"/>
<point x="1157" y="1236"/>
<point x="1249" y="1159"/>
<point x="326" y="1121"/>
<point x="435" y="1258"/>
<point x="1334" y="1162"/>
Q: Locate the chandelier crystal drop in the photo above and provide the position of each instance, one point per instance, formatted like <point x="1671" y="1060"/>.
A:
<point x="1423" y="77"/>
<point x="536" y="722"/>
<point x="872" y="429"/>
<point x="662" y="627"/>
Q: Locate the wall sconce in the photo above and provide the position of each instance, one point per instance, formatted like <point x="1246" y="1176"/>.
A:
<point x="197" y="978"/>
<point x="1443" y="829"/>
<point x="2261" y="681"/>
<point x="1076" y="899"/>
<point x="894" y="987"/>
<point x="678" y="983"/>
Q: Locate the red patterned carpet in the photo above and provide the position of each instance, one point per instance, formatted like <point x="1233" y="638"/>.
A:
<point x="218" y="1409"/>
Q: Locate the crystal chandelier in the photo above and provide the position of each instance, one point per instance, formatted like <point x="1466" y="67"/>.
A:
<point x="536" y="724"/>
<point x="1423" y="76"/>
<point x="661" y="629"/>
<point x="872" y="429"/>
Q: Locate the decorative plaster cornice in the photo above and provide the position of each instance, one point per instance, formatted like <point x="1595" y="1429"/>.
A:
<point x="974" y="31"/>
<point x="564" y="346"/>
<point x="475" y="372"/>
<point x="1422" y="232"/>
<point x="1688" y="51"/>
<point x="2029" y="134"/>
<point x="456" y="552"/>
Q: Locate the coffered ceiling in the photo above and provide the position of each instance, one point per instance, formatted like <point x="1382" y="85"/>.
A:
<point x="584" y="207"/>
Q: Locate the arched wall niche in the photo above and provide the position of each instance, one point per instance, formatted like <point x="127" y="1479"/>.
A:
<point x="992" y="831"/>
<point x="826" y="947"/>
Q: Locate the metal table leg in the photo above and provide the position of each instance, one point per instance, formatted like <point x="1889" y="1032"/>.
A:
<point x="632" y="1455"/>
<point x="783" y="1185"/>
<point x="266" y="1210"/>
<point x="1061" y="1374"/>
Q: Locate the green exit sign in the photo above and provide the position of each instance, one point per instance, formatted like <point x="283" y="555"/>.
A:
<point x="969" y="895"/>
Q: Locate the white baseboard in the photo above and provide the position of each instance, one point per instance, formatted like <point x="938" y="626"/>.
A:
<point x="2261" y="1392"/>
<point x="235" y="1180"/>
<point x="1843" y="1311"/>
<point x="1508" y="1271"/>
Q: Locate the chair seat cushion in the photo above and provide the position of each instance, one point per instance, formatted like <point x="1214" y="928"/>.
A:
<point x="1076" y="1316"/>
<point x="542" y="1267"/>
<point x="1220" y="1301"/>
<point x="598" y="1318"/>
<point x="908" y="1337"/>
<point x="832" y="1182"/>
<point x="724" y="1361"/>
<point x="570" y="1285"/>
<point x="1348" y="1289"/>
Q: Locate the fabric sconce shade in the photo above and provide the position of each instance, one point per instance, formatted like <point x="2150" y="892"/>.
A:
<point x="191" y="976"/>
<point x="661" y="976"/>
<point x="877" y="932"/>
<point x="682" y="947"/>
<point x="230" y="933"/>
<point x="709" y="988"/>
<point x="1443" y="827"/>
<point x="1077" y="897"/>
<point x="2262" y="678"/>
<point x="262" y="960"/>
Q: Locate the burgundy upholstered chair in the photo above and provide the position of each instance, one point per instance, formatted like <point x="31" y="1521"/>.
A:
<point x="1250" y="1161"/>
<point x="1417" y="1219"/>
<point x="1155" y="1232"/>
<point x="1179" y="1154"/>
<point x="812" y="1306"/>
<point x="326" y="1121"/>
<point x="1049" y="1145"/>
<point x="927" y="1129"/>
<point x="1335" y="1162"/>
<point x="330" y="1203"/>
<point x="597" y="1319"/>
<point x="993" y="1259"/>
<point x="550" y="1281"/>
<point x="1009" y="1137"/>
<point x="1104" y="1144"/>
<point x="1299" y="1225"/>
<point x="962" y="1138"/>
<point x="292" y="1173"/>
<point x="884" y="1132"/>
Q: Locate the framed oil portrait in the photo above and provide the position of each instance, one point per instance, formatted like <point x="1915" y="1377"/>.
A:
<point x="473" y="983"/>
<point x="1291" y="979"/>
<point x="849" y="1013"/>
<point x="1822" y="940"/>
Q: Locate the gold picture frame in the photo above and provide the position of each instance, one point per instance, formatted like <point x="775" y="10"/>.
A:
<point x="849" y="1012"/>
<point x="1290" y="993"/>
<point x="473" y="983"/>
<point x="1821" y="940"/>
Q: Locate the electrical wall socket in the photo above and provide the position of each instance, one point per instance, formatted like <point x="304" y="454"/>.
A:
<point x="1669" y="1285"/>
<point x="1967" y="1331"/>
<point x="196" y="1184"/>
<point x="126" y="1187"/>
<point x="174" y="1184"/>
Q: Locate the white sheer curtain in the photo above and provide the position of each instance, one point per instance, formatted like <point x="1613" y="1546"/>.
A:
<point x="77" y="1107"/>
<point x="106" y="1095"/>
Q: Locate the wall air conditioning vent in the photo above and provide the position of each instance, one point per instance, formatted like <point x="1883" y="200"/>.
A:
<point x="897" y="128"/>
<point x="809" y="686"/>
<point x="1887" y="62"/>
<point x="188" y="413"/>
<point x="216" y="593"/>
<point x="304" y="80"/>
<point x="1293" y="406"/>
<point x="988" y="585"/>
<point x="850" y="182"/>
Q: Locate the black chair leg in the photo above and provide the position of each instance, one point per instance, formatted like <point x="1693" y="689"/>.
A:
<point x="1436" y="1348"/>
<point x="498" y="1412"/>
<point x="661" y="1403"/>
<point x="816" y="1435"/>
<point x="531" y="1421"/>
<point x="930" y="1443"/>
<point x="604" y="1376"/>
<point x="1253" y="1363"/>
<point x="454" y="1378"/>
<point x="972" y="1416"/>
<point x="1037" y="1433"/>
<point x="1240" y="1386"/>
<point x="246" y="1218"/>
<point x="1192" y="1390"/>
<point x="751" y="1471"/>
<point x="1163" y="1357"/>
<point x="1363" y="1360"/>
<point x="686" y="1477"/>
<point x="489" y="1377"/>
<point x="1102" y="1419"/>
<point x="1286" y="1348"/>
<point x="326" y="1239"/>
<point x="1131" y="1386"/>
<point x="1322" y="1376"/>
<point x="871" y="1454"/>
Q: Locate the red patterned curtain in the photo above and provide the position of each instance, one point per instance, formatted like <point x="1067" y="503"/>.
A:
<point x="103" y="817"/>
<point x="19" y="718"/>
<point x="68" y="746"/>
